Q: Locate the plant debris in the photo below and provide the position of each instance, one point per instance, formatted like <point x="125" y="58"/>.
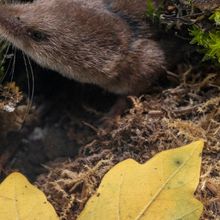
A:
<point x="155" y="123"/>
<point x="11" y="108"/>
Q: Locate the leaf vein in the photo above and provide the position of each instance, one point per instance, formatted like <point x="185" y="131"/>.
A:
<point x="140" y="215"/>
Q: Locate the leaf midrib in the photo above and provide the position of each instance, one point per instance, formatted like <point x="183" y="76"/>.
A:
<point x="162" y="187"/>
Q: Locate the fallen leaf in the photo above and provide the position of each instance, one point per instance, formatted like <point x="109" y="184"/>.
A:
<point x="19" y="200"/>
<point x="162" y="188"/>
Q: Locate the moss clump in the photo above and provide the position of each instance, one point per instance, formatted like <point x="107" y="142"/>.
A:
<point x="200" y="24"/>
<point x="208" y="40"/>
<point x="153" y="11"/>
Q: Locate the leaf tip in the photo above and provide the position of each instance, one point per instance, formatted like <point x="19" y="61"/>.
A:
<point x="200" y="143"/>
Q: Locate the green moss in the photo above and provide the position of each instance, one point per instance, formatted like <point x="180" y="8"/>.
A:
<point x="216" y="17"/>
<point x="153" y="11"/>
<point x="208" y="40"/>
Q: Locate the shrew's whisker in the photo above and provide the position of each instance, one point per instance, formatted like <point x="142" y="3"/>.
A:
<point x="13" y="64"/>
<point x="5" y="56"/>
<point x="30" y="80"/>
<point x="9" y="65"/>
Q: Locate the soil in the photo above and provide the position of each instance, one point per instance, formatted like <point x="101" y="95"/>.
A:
<point x="64" y="151"/>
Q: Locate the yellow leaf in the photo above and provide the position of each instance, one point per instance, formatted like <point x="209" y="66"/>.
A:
<point x="19" y="200"/>
<point x="161" y="189"/>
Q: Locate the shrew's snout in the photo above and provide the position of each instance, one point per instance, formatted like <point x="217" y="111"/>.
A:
<point x="10" y="22"/>
<point x="14" y="28"/>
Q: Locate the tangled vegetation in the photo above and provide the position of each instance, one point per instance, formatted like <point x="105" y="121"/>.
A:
<point x="63" y="151"/>
<point x="203" y="25"/>
<point x="208" y="40"/>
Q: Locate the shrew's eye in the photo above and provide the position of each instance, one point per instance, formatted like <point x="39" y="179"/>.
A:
<point x="37" y="36"/>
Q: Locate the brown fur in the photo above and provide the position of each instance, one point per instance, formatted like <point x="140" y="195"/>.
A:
<point x="103" y="42"/>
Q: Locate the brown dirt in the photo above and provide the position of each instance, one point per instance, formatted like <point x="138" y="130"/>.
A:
<point x="66" y="154"/>
<point x="155" y="123"/>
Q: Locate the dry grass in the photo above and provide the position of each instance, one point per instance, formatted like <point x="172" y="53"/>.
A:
<point x="155" y="123"/>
